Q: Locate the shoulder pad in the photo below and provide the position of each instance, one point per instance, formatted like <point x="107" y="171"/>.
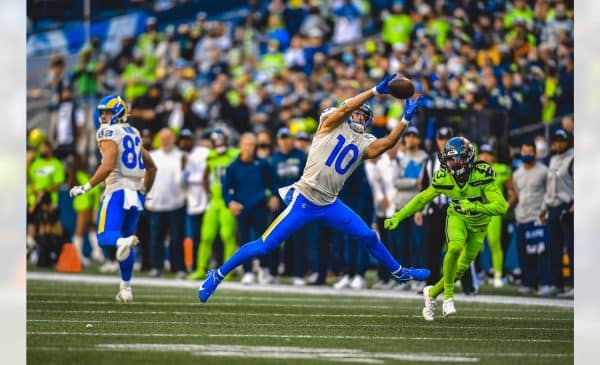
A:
<point x="442" y="180"/>
<point x="106" y="133"/>
<point x="484" y="169"/>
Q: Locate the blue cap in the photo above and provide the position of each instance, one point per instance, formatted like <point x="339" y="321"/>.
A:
<point x="412" y="130"/>
<point x="560" y="135"/>
<point x="283" y="132"/>
<point x="486" y="148"/>
<point x="303" y="136"/>
<point x="185" y="133"/>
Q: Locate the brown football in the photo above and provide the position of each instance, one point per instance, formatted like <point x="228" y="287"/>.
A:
<point x="401" y="87"/>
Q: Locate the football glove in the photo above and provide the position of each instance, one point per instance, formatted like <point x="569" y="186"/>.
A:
<point x="466" y="206"/>
<point x="411" y="107"/>
<point x="382" y="86"/>
<point x="79" y="190"/>
<point x="391" y="223"/>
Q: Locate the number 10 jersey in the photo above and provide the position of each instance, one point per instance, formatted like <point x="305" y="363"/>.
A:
<point x="331" y="160"/>
<point x="130" y="168"/>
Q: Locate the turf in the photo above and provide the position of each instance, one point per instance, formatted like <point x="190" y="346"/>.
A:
<point x="74" y="323"/>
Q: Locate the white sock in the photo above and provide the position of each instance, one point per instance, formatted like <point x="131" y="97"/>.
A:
<point x="78" y="242"/>
<point x="125" y="284"/>
<point x="120" y="241"/>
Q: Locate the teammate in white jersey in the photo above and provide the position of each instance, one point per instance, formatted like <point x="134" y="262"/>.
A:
<point x="128" y="171"/>
<point x="338" y="147"/>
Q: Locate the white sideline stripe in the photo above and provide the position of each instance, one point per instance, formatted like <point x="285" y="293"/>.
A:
<point x="230" y="298"/>
<point x="482" y="354"/>
<point x="274" y="314"/>
<point x="339" y="337"/>
<point x="288" y="289"/>
<point x="253" y="324"/>
<point x="196" y="304"/>
<point x="272" y="352"/>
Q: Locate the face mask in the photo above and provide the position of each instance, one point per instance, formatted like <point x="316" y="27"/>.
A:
<point x="44" y="155"/>
<point x="347" y="58"/>
<point x="527" y="158"/>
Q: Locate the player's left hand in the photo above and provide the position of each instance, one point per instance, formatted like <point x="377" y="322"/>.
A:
<point x="79" y="190"/>
<point x="382" y="86"/>
<point x="391" y="223"/>
<point x="467" y="206"/>
<point x="411" y="106"/>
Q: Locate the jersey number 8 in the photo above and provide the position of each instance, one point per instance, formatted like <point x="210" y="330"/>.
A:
<point x="130" y="158"/>
<point x="338" y="154"/>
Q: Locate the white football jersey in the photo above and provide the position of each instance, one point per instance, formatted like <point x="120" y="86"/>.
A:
<point x="130" y="170"/>
<point x="331" y="160"/>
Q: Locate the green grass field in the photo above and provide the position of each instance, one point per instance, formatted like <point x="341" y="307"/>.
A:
<point x="76" y="323"/>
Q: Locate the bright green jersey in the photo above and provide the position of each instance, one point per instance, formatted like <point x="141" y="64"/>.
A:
<point x="44" y="175"/>
<point x="503" y="174"/>
<point x="479" y="189"/>
<point x="217" y="164"/>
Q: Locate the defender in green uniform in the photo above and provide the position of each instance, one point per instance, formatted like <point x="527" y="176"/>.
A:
<point x="494" y="232"/>
<point x="217" y="216"/>
<point x="475" y="198"/>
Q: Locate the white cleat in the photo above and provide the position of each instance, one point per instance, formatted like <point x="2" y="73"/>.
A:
<point x="344" y="283"/>
<point x="248" y="278"/>
<point x="124" y="246"/>
<point x="124" y="296"/>
<point x="448" y="308"/>
<point x="429" y="307"/>
<point x="358" y="282"/>
<point x="298" y="281"/>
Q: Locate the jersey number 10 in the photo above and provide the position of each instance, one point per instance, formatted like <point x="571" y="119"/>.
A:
<point x="131" y="157"/>
<point x="338" y="154"/>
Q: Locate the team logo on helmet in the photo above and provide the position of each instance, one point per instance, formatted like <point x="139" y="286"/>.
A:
<point x="116" y="105"/>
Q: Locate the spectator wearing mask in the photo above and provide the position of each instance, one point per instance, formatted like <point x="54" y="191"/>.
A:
<point x="289" y="163"/>
<point x="68" y="127"/>
<point x="558" y="209"/>
<point x="194" y="172"/>
<point x="249" y="188"/>
<point x="165" y="202"/>
<point x="528" y="188"/>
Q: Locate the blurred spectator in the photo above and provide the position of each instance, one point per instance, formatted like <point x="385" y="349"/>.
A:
<point x="397" y="26"/>
<point x="148" y="111"/>
<point x="302" y="141"/>
<point x="85" y="206"/>
<point x="289" y="163"/>
<point x="558" y="210"/>
<point x="410" y="160"/>
<point x="187" y="114"/>
<point x="294" y="56"/>
<point x="194" y="173"/>
<point x="67" y="129"/>
<point x="143" y="261"/>
<point x="137" y="77"/>
<point x="529" y="185"/>
<point x="217" y="217"/>
<point x="347" y="24"/>
<point x="568" y="124"/>
<point x="264" y="144"/>
<point x="249" y="186"/>
<point x="166" y="205"/>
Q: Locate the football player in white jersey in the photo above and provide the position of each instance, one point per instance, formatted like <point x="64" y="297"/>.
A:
<point x="129" y="172"/>
<point x="338" y="147"/>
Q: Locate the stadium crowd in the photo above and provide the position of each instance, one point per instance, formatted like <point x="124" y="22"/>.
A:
<point x="228" y="110"/>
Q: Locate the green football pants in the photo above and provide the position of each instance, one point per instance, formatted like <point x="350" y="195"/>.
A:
<point x="217" y="217"/>
<point x="494" y="236"/>
<point x="463" y="245"/>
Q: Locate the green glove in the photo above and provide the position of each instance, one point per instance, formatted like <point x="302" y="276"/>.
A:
<point x="467" y="206"/>
<point x="392" y="223"/>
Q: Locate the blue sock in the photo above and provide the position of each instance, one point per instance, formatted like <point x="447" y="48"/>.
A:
<point x="127" y="266"/>
<point x="380" y="252"/>
<point x="245" y="253"/>
<point x="108" y="238"/>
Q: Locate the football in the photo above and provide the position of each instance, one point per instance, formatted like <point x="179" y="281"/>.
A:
<point x="400" y="87"/>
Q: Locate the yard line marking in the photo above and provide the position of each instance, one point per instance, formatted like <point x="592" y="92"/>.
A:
<point x="276" y="288"/>
<point x="319" y="325"/>
<point x="337" y="337"/>
<point x="274" y="314"/>
<point x="481" y="354"/>
<point x="225" y="298"/>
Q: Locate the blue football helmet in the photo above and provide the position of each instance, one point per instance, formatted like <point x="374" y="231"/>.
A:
<point x="366" y="112"/>
<point x="458" y="158"/>
<point x="116" y="105"/>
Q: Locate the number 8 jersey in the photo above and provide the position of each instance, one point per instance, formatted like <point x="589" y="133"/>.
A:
<point x="332" y="158"/>
<point x="130" y="168"/>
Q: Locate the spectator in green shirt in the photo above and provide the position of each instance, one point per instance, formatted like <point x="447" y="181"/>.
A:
<point x="397" y="26"/>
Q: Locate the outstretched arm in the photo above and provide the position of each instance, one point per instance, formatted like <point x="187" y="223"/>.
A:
<point x="381" y="145"/>
<point x="415" y="205"/>
<point x="339" y="115"/>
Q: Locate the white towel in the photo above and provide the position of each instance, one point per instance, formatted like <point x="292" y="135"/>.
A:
<point x="131" y="199"/>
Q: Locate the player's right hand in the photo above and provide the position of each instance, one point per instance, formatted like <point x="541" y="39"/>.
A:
<point x="391" y="223"/>
<point x="79" y="190"/>
<point x="411" y="107"/>
<point x="382" y="86"/>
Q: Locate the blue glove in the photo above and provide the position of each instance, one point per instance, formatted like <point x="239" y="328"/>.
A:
<point x="411" y="107"/>
<point x="382" y="86"/>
